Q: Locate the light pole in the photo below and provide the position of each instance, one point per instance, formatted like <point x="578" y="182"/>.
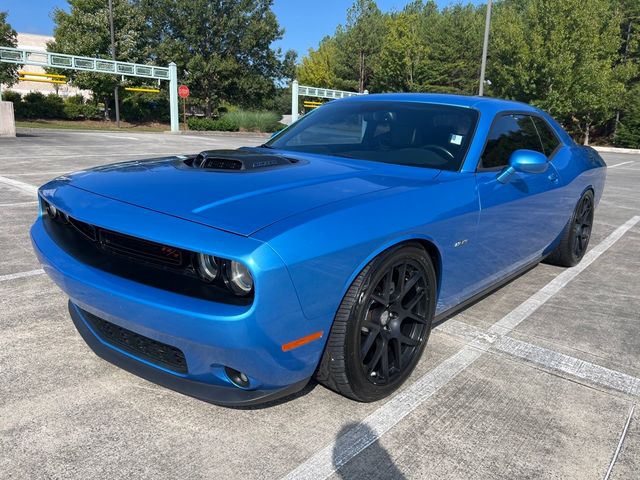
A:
<point x="113" y="56"/>
<point x="624" y="57"/>
<point x="485" y="47"/>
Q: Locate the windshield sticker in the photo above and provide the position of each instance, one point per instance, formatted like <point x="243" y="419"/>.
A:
<point x="456" y="139"/>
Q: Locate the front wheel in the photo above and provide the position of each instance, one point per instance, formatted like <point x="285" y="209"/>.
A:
<point x="576" y="234"/>
<point x="382" y="325"/>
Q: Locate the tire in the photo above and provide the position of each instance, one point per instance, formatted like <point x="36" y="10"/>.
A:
<point x="375" y="322"/>
<point x="575" y="237"/>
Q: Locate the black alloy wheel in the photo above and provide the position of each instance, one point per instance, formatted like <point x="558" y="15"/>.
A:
<point x="575" y="237"/>
<point x="582" y="226"/>
<point x="382" y="325"/>
<point x="395" y="321"/>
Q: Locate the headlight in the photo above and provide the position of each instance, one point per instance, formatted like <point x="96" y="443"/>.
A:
<point x="207" y="267"/>
<point x="238" y="278"/>
<point x="51" y="211"/>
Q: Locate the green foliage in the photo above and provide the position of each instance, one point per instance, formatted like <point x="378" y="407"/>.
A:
<point x="137" y="107"/>
<point x="562" y="57"/>
<point x="253" y="121"/>
<point x="76" y="108"/>
<point x="404" y="55"/>
<point x="209" y="124"/>
<point x="239" y="120"/>
<point x="574" y="58"/>
<point x="38" y="105"/>
<point x="9" y="96"/>
<point x="222" y="49"/>
<point x="319" y="66"/>
<point x="8" y="38"/>
<point x="35" y="105"/>
<point x="358" y="43"/>
<point x="84" y="30"/>
<point x="628" y="133"/>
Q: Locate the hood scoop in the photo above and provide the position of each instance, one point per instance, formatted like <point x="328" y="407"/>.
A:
<point x="237" y="161"/>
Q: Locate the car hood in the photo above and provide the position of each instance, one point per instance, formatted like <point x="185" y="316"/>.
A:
<point x="242" y="201"/>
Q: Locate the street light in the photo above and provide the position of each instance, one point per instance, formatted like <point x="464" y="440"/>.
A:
<point x="485" y="47"/>
<point x="113" y="56"/>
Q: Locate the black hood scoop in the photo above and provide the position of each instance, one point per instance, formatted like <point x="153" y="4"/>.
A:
<point x="242" y="160"/>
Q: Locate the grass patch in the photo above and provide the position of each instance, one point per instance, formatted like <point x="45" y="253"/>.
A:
<point x="253" y="121"/>
<point x="92" y="125"/>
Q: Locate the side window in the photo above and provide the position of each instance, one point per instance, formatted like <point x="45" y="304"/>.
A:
<point x="549" y="140"/>
<point x="509" y="133"/>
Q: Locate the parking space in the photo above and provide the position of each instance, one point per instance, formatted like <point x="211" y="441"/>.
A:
<point x="535" y="381"/>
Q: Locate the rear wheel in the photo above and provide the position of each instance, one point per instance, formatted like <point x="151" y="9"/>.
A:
<point x="576" y="234"/>
<point x="382" y="326"/>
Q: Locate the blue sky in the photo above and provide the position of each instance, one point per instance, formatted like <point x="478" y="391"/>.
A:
<point x="305" y="21"/>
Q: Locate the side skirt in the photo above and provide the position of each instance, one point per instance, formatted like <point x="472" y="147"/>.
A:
<point x="447" y="314"/>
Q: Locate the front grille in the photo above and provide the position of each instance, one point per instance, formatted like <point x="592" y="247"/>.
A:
<point x="140" y="260"/>
<point x="140" y="249"/>
<point x="143" y="347"/>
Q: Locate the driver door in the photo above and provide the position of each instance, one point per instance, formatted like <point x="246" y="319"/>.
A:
<point x="517" y="220"/>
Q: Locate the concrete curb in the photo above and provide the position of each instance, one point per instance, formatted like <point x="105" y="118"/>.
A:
<point x="634" y="151"/>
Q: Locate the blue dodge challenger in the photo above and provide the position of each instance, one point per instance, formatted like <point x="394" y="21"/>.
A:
<point x="329" y="252"/>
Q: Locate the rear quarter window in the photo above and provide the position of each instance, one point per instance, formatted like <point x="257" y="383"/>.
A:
<point x="547" y="136"/>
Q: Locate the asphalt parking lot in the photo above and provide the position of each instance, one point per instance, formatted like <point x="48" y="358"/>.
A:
<point x="537" y="380"/>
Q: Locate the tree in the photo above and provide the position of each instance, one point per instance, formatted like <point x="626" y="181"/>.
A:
<point x="222" y="49"/>
<point x="404" y="55"/>
<point x="456" y="51"/>
<point x="8" y="38"/>
<point x="560" y="56"/>
<point x="85" y="30"/>
<point x="359" y="43"/>
<point x="318" y="68"/>
<point x="628" y="134"/>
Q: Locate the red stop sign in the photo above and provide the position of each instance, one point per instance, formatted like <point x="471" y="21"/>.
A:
<point x="183" y="91"/>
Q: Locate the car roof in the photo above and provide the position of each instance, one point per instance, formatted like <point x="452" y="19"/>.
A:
<point x="479" y="103"/>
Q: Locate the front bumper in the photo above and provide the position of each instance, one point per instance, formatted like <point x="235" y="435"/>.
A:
<point x="218" y="394"/>
<point x="212" y="335"/>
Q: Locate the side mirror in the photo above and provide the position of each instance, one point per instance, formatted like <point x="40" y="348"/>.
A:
<point x="524" y="161"/>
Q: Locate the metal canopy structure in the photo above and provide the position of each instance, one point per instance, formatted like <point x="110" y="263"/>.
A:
<point x="298" y="90"/>
<point x="27" y="56"/>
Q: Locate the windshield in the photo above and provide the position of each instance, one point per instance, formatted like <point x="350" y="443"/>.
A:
<point x="402" y="133"/>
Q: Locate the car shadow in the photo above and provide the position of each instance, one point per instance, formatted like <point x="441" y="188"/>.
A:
<point x="306" y="390"/>
<point x="372" y="462"/>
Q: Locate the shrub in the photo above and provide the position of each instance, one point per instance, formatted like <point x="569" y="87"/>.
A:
<point x="75" y="108"/>
<point x="37" y="105"/>
<point x="209" y="124"/>
<point x="9" y="96"/>
<point x="200" y="124"/>
<point x="236" y="120"/>
<point x="144" y="107"/>
<point x="253" y="121"/>
<point x="628" y="134"/>
<point x="275" y="127"/>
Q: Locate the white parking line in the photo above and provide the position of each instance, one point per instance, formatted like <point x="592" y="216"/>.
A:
<point x="622" y="437"/>
<point x="620" y="164"/>
<point x="337" y="453"/>
<point x="21" y="174"/>
<point x="87" y="155"/>
<point x="22" y="186"/>
<point x="18" y="204"/>
<point x="14" y="276"/>
<point x="549" y="359"/>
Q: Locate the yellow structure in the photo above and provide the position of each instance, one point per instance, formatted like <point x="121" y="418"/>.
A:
<point x="141" y="89"/>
